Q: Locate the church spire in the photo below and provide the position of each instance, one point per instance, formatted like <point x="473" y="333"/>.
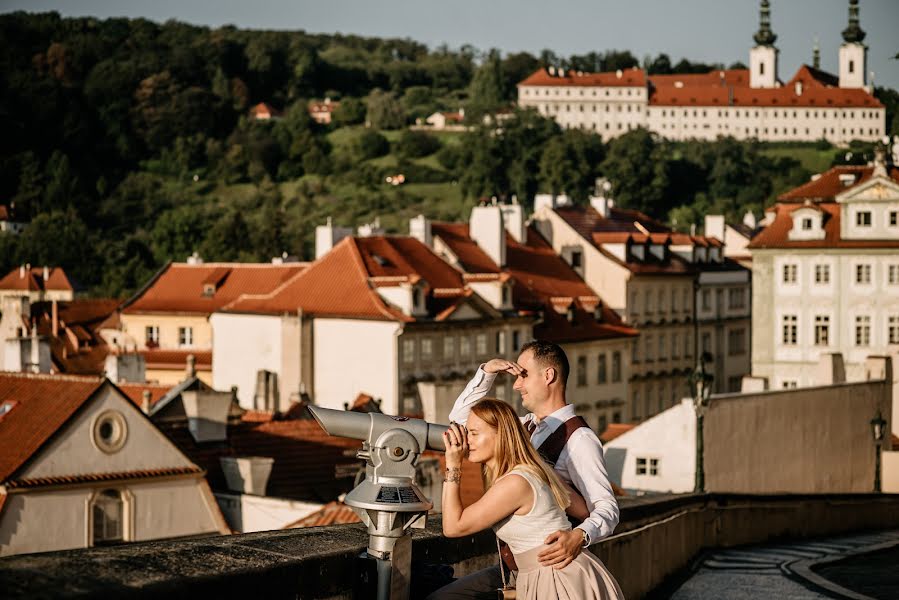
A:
<point x="816" y="55"/>
<point x="854" y="32"/>
<point x="764" y="36"/>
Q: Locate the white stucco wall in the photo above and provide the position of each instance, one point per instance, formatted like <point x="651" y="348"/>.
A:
<point x="247" y="513"/>
<point x="59" y="519"/>
<point x="74" y="451"/>
<point x="353" y="356"/>
<point x="669" y="437"/>
<point x="245" y="344"/>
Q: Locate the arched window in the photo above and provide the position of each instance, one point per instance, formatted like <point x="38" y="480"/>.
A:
<point x="108" y="516"/>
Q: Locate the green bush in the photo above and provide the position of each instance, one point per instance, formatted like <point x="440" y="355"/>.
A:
<point x="416" y="144"/>
<point x="371" y="144"/>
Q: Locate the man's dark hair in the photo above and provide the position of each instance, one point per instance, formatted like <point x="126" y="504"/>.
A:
<point x="549" y="355"/>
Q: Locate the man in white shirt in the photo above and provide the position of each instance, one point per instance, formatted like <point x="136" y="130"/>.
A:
<point x="541" y="373"/>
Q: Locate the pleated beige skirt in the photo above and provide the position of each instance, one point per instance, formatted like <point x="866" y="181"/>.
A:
<point x="585" y="578"/>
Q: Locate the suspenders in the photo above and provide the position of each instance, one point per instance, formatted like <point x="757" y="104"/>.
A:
<point x="549" y="450"/>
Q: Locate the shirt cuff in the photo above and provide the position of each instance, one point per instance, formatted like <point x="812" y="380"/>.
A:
<point x="593" y="532"/>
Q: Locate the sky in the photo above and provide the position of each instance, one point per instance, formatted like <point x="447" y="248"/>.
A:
<point x="700" y="30"/>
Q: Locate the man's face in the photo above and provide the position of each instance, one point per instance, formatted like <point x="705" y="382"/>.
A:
<point x="531" y="384"/>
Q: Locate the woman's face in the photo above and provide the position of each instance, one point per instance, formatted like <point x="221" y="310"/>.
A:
<point x="481" y="440"/>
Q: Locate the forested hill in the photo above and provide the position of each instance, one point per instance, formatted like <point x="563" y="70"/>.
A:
<point x="127" y="143"/>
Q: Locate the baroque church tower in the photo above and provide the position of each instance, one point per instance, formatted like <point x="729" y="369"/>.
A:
<point x="853" y="52"/>
<point x="763" y="57"/>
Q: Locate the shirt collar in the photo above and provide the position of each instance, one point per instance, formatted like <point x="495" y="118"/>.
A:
<point x="556" y="418"/>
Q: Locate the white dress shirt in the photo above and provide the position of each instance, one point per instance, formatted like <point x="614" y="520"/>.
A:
<point x="581" y="462"/>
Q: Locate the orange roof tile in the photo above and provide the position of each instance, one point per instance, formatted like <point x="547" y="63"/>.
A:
<point x="43" y="404"/>
<point x="341" y="282"/>
<point x="177" y="359"/>
<point x="32" y="280"/>
<point x="629" y="78"/>
<point x="34" y="482"/>
<point x="4" y="213"/>
<point x="309" y="464"/>
<point x="332" y="513"/>
<point x="830" y="184"/>
<point x="542" y="279"/>
<point x="78" y="348"/>
<point x="613" y="430"/>
<point x="135" y="392"/>
<point x="179" y="287"/>
<point x="776" y="234"/>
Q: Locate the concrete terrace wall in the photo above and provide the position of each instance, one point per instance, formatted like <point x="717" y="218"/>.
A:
<point x="656" y="539"/>
<point x="825" y="430"/>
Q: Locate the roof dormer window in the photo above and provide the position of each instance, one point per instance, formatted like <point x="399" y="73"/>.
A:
<point x="863" y="218"/>
<point x="806" y="224"/>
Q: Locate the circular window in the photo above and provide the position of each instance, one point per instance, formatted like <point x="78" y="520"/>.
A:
<point x="110" y="431"/>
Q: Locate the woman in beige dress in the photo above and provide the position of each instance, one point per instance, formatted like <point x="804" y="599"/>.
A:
<point x="524" y="503"/>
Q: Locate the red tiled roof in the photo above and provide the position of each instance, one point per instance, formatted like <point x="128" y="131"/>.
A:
<point x="35" y="482"/>
<point x="4" y="213"/>
<point x="728" y="87"/>
<point x="306" y="458"/>
<point x="177" y="359"/>
<point x="43" y="404"/>
<point x="776" y="234"/>
<point x="613" y="430"/>
<point x="541" y="280"/>
<point x="78" y="348"/>
<point x="341" y="282"/>
<point x="735" y="77"/>
<point x="629" y="78"/>
<point x="829" y="184"/>
<point x="179" y="287"/>
<point x="32" y="280"/>
<point x="135" y="392"/>
<point x="785" y="97"/>
<point x="332" y="513"/>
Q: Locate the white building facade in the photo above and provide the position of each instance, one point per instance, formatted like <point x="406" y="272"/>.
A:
<point x="742" y="103"/>
<point x="826" y="275"/>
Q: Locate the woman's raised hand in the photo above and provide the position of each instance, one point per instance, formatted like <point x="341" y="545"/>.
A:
<point x="456" y="441"/>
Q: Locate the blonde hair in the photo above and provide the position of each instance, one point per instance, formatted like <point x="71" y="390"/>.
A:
<point x="514" y="449"/>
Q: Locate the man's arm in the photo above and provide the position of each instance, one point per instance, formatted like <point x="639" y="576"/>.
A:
<point x="478" y="387"/>
<point x="587" y="469"/>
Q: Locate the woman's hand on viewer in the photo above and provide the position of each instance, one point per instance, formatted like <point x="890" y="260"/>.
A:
<point x="455" y="439"/>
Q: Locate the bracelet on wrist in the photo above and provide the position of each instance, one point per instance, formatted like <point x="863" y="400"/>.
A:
<point x="453" y="475"/>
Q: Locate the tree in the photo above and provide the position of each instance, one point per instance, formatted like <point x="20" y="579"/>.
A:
<point x="227" y="239"/>
<point x="637" y="172"/>
<point x="487" y="91"/>
<point x="370" y="144"/>
<point x="351" y="111"/>
<point x="60" y="238"/>
<point x="415" y="144"/>
<point x="384" y="110"/>
<point x="661" y="65"/>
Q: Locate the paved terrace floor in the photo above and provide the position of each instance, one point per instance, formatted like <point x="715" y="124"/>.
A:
<point x="854" y="566"/>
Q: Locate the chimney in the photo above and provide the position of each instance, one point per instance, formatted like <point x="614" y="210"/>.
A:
<point x="247" y="474"/>
<point x="830" y="369"/>
<point x="195" y="259"/>
<point x="267" y="395"/>
<point x="145" y="401"/>
<point x="420" y="229"/>
<point x="191" y="367"/>
<point x="327" y="236"/>
<point x="46" y="274"/>
<point x="514" y="222"/>
<point x="714" y="227"/>
<point x="207" y="414"/>
<point x="54" y="316"/>
<point x="798" y="88"/>
<point x="22" y="272"/>
<point x="487" y="230"/>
